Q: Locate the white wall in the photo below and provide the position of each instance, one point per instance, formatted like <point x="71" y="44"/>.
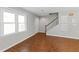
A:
<point x="66" y="28"/>
<point x="37" y="24"/>
<point x="12" y="39"/>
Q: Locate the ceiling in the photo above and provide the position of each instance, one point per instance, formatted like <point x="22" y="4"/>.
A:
<point x="43" y="11"/>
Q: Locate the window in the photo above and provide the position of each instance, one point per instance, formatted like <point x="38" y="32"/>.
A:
<point x="21" y="23"/>
<point x="8" y="23"/>
<point x="12" y="23"/>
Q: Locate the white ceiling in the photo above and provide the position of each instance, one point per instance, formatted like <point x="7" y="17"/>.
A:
<point x="43" y="11"/>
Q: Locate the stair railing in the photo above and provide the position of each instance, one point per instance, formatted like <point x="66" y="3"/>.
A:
<point x="49" y="24"/>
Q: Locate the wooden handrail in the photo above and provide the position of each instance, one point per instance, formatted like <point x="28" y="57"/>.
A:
<point x="49" y="24"/>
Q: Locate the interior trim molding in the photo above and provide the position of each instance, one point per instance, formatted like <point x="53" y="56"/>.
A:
<point x="63" y="36"/>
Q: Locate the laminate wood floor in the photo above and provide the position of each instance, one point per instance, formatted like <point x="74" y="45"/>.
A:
<point x="42" y="43"/>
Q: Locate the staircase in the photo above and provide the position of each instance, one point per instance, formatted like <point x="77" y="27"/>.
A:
<point x="52" y="24"/>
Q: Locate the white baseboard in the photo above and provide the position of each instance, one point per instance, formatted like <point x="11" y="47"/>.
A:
<point x="17" y="43"/>
<point x="64" y="36"/>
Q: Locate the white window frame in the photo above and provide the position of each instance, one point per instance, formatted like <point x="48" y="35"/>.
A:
<point x="8" y="22"/>
<point x="16" y="21"/>
<point x="21" y="23"/>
